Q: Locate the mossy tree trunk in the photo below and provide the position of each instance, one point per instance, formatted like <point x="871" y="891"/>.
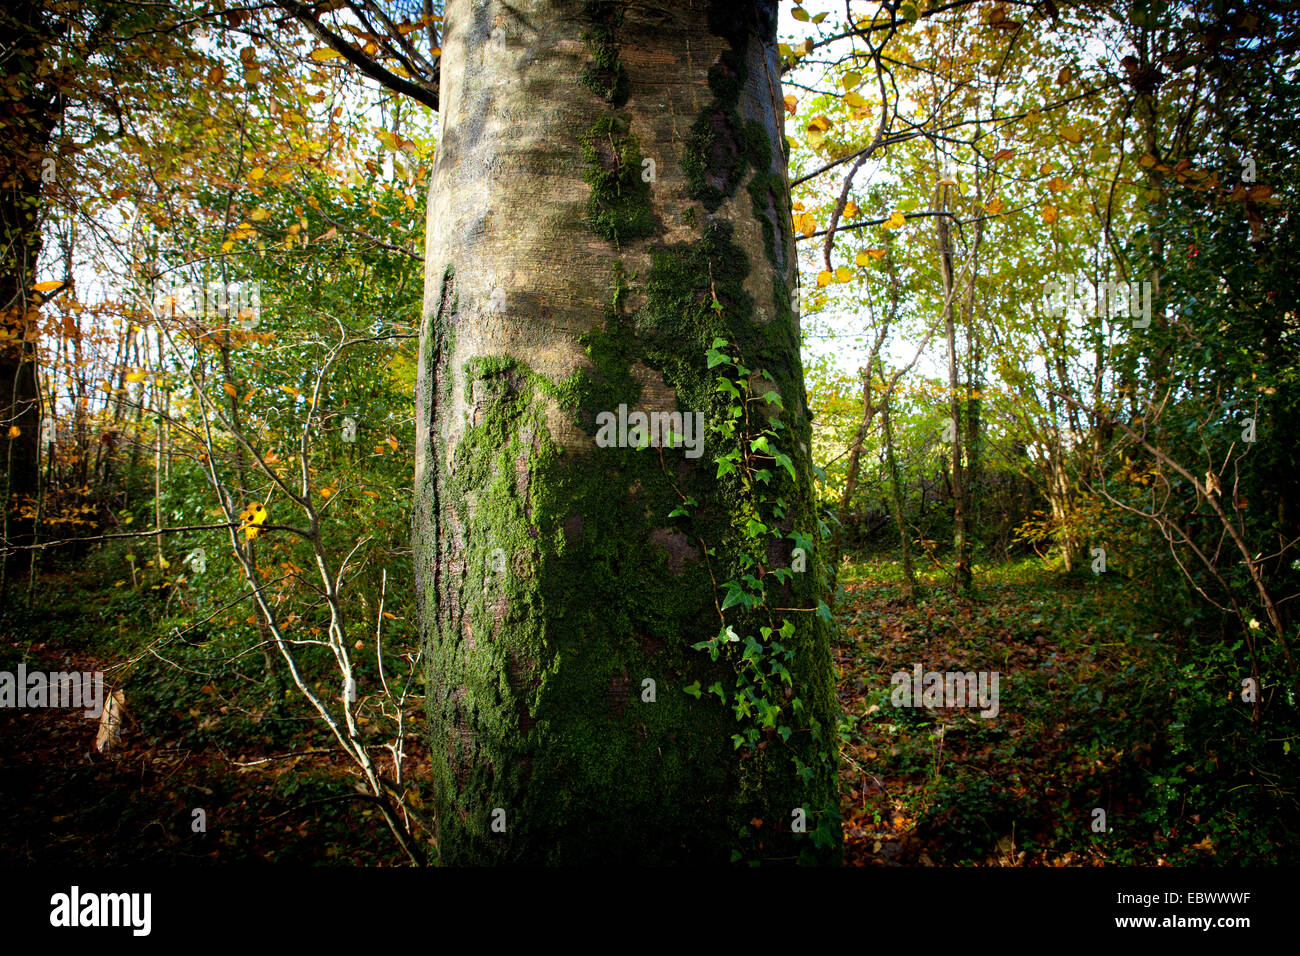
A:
<point x="609" y="198"/>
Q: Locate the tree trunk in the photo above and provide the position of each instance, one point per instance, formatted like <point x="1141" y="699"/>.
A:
<point x="29" y="114"/>
<point x="960" y="544"/>
<point x="854" y="469"/>
<point x="609" y="197"/>
<point x="896" y="498"/>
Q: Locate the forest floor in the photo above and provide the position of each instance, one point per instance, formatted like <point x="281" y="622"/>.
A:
<point x="1073" y="732"/>
<point x="269" y="788"/>
<point x="1078" y="718"/>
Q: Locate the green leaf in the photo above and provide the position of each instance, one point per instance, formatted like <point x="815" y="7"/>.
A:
<point x="693" y="690"/>
<point x="735" y="595"/>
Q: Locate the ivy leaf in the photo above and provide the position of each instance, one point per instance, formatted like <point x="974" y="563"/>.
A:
<point x="785" y="462"/>
<point x="693" y="690"/>
<point x="734" y="596"/>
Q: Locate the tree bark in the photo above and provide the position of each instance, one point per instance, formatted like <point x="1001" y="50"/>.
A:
<point x="566" y="276"/>
<point x="896" y="498"/>
<point x="960" y="544"/>
<point x="30" y="111"/>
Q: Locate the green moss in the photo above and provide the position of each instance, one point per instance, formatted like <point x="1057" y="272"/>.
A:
<point x="619" y="207"/>
<point x="548" y="658"/>
<point x="605" y="75"/>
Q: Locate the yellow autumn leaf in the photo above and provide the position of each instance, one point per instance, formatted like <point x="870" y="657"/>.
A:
<point x="1146" y="161"/>
<point x="815" y="138"/>
<point x="850" y="209"/>
<point x="290" y="390"/>
<point x="1056" y="184"/>
<point x="259" y="215"/>
<point x="230" y="389"/>
<point x="843" y="274"/>
<point x="1071" y="134"/>
<point x="895" y="220"/>
<point x="1049" y="213"/>
<point x="993" y="206"/>
<point x="824" y="278"/>
<point x="14" y="431"/>
<point x="324" y="53"/>
<point x="791" y="104"/>
<point x="47" y="286"/>
<point x="256" y="173"/>
<point x="866" y="257"/>
<point x="135" y="376"/>
<point x="251" y="520"/>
